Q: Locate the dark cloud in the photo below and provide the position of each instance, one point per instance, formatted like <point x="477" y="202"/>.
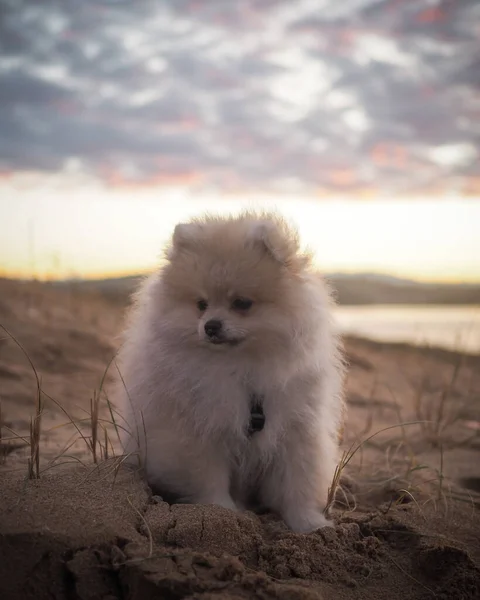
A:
<point x="19" y="89"/>
<point x="331" y="95"/>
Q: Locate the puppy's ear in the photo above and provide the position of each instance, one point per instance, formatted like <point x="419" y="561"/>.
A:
<point x="276" y="238"/>
<point x="185" y="235"/>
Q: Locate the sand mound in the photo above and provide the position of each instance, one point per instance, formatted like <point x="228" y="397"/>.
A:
<point x="81" y="535"/>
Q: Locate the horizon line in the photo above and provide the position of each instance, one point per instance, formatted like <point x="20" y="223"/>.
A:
<point x="4" y="274"/>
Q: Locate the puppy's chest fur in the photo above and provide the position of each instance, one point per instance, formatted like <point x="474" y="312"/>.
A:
<point x="211" y="397"/>
<point x="228" y="407"/>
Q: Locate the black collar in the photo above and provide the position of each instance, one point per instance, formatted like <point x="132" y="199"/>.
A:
<point x="257" y="416"/>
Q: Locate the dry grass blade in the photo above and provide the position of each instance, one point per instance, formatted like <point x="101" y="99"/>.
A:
<point x="94" y="410"/>
<point x="3" y="446"/>
<point x="440" y="475"/>
<point x="408" y="446"/>
<point x="150" y="537"/>
<point x="102" y="381"/>
<point x="25" y="353"/>
<point x="72" y="441"/>
<point x="36" y="429"/>
<point x="84" y="420"/>
<point x="439" y="422"/>
<point x="418" y="401"/>
<point x="55" y="462"/>
<point x="413" y="578"/>
<point x="17" y="435"/>
<point x="369" y="421"/>
<point x="130" y="401"/>
<point x="113" y="467"/>
<point x="34" y="460"/>
<point x="144" y="461"/>
<point x="70" y="420"/>
<point x="403" y="493"/>
<point x="348" y="506"/>
<point x="100" y="390"/>
<point x="114" y="421"/>
<point x="74" y="460"/>
<point x="106" y="440"/>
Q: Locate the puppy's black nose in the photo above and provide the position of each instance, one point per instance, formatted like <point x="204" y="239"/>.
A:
<point x="213" y="327"/>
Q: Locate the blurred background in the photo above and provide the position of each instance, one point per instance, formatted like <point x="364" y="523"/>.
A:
<point x="359" y="120"/>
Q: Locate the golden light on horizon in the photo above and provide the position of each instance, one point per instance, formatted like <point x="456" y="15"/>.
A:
<point x="97" y="232"/>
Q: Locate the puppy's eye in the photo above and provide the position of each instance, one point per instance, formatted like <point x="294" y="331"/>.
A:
<point x="202" y="305"/>
<point x="242" y="304"/>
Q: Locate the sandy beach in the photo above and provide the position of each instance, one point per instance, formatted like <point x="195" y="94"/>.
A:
<point x="407" y="510"/>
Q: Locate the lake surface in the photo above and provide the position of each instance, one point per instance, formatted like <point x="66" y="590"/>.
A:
<point x="452" y="327"/>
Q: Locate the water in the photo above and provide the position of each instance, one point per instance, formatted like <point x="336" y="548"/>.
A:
<point x="451" y="327"/>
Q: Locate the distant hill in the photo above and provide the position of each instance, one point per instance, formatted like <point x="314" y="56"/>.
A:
<point x="383" y="289"/>
<point x="116" y="289"/>
<point x="364" y="288"/>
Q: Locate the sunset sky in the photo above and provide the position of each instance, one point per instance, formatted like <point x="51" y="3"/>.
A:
<point x="358" y="119"/>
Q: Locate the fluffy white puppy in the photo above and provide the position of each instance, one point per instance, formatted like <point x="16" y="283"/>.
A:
<point x="232" y="373"/>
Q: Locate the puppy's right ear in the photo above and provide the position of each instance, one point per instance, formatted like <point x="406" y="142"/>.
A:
<point x="184" y="237"/>
<point x="276" y="239"/>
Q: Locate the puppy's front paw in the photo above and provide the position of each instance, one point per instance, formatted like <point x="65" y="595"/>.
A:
<point x="308" y="521"/>
<point x="219" y="500"/>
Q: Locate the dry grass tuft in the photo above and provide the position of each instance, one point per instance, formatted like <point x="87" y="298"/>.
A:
<point x="346" y="458"/>
<point x="98" y="450"/>
<point x="440" y="412"/>
<point x="35" y="422"/>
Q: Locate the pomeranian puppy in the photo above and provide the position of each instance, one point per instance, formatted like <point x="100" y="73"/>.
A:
<point x="231" y="372"/>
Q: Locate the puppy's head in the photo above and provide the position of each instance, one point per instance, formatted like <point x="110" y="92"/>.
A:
<point x="230" y="282"/>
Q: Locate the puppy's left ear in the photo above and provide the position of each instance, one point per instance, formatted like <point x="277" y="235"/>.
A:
<point x="185" y="236"/>
<point x="277" y="240"/>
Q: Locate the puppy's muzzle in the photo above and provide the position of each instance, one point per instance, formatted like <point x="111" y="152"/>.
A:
<point x="215" y="333"/>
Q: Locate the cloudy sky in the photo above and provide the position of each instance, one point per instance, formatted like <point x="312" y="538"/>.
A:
<point x="309" y="99"/>
<point x="256" y="94"/>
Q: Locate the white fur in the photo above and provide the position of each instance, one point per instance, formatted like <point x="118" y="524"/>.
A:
<point x="186" y="401"/>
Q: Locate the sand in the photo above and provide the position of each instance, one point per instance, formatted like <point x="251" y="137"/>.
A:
<point x="406" y="520"/>
<point x="80" y="534"/>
